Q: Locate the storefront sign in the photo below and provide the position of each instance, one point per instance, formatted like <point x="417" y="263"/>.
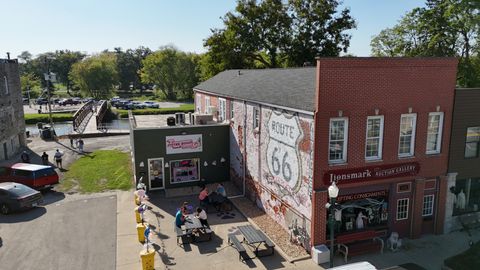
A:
<point x="371" y="173"/>
<point x="184" y="144"/>
<point x="358" y="196"/>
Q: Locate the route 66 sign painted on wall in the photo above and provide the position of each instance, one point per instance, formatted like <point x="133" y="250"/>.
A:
<point x="283" y="159"/>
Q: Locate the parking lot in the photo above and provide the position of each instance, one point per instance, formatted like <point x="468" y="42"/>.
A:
<point x="66" y="232"/>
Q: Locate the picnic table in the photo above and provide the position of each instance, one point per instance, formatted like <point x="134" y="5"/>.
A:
<point x="255" y="238"/>
<point x="192" y="222"/>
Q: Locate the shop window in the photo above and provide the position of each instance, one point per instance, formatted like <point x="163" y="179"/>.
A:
<point x="208" y="110"/>
<point x="186" y="170"/>
<point x="256" y="117"/>
<point x="222" y="109"/>
<point x="434" y="132"/>
<point x="374" y="138"/>
<point x="407" y="135"/>
<point x="231" y="110"/>
<point x="467" y="196"/>
<point x="361" y="211"/>
<point x="338" y="140"/>
<point x="427" y="205"/>
<point x="402" y="209"/>
<point x="472" y="142"/>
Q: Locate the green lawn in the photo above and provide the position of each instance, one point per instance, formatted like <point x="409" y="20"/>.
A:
<point x="99" y="171"/>
<point x="34" y="118"/>
<point x="181" y="108"/>
<point x="467" y="260"/>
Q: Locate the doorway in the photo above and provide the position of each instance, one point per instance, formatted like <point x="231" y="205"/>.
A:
<point x="156" y="174"/>
<point x="5" y="150"/>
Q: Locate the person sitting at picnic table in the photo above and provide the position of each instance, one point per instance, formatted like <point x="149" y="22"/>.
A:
<point x="179" y="218"/>
<point x="186" y="208"/>
<point x="221" y="190"/>
<point x="203" y="196"/>
<point x="202" y="216"/>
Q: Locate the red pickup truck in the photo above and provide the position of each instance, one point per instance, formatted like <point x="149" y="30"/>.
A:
<point x="32" y="175"/>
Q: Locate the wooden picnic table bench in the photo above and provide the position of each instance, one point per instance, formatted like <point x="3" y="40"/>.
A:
<point x="233" y="240"/>
<point x="358" y="243"/>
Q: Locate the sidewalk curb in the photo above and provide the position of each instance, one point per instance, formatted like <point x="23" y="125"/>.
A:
<point x="277" y="247"/>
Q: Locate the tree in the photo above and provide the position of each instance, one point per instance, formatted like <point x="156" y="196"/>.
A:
<point x="173" y="72"/>
<point x="30" y="84"/>
<point x="272" y="33"/>
<point x="96" y="75"/>
<point x="129" y="64"/>
<point x="442" y="28"/>
<point x="62" y="63"/>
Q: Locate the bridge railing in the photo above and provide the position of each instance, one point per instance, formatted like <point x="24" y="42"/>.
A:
<point x="81" y="114"/>
<point x="101" y="110"/>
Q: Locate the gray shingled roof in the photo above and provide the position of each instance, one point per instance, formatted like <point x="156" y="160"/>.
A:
<point x="288" y="87"/>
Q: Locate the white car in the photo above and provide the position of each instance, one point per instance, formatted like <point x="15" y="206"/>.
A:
<point x="151" y="104"/>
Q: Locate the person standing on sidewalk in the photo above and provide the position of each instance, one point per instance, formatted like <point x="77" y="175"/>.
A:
<point x="80" y="145"/>
<point x="25" y="157"/>
<point x="58" y="158"/>
<point x="45" y="158"/>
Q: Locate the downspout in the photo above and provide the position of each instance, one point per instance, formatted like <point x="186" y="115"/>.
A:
<point x="244" y="156"/>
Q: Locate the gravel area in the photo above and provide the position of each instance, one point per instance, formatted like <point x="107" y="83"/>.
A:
<point x="274" y="230"/>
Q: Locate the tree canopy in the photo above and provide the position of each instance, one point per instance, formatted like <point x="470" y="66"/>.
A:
<point x="96" y="75"/>
<point x="441" y="28"/>
<point x="172" y="72"/>
<point x="275" y="33"/>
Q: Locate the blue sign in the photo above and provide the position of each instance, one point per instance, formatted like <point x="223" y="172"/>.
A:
<point x="147" y="232"/>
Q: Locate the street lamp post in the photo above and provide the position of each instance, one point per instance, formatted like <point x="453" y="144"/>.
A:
<point x="332" y="194"/>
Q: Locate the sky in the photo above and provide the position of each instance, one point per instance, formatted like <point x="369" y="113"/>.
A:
<point x="95" y="25"/>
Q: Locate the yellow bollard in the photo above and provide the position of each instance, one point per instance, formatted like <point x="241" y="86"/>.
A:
<point x="137" y="215"/>
<point x="136" y="197"/>
<point x="137" y="201"/>
<point x="148" y="259"/>
<point x="141" y="231"/>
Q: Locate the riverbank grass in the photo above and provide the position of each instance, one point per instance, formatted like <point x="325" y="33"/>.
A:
<point x="98" y="171"/>
<point x="33" y="118"/>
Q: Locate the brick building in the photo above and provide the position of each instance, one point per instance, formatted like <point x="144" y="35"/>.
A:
<point x="378" y="127"/>
<point x="12" y="123"/>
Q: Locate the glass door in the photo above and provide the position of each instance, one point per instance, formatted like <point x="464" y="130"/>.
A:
<point x="156" y="176"/>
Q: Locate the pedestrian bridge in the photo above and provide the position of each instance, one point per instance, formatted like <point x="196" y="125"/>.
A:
<point x="89" y="117"/>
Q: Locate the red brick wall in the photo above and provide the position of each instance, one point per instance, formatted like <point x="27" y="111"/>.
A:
<point x="358" y="86"/>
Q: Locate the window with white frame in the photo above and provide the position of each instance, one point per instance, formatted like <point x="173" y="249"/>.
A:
<point x="402" y="209"/>
<point x="256" y="117"/>
<point x="231" y="109"/>
<point x="338" y="140"/>
<point x="427" y="205"/>
<point x="472" y="142"/>
<point x="407" y="135"/>
<point x="374" y="138"/>
<point x="6" y="85"/>
<point x="222" y="109"/>
<point x="198" y="103"/>
<point x="207" y="105"/>
<point x="434" y="132"/>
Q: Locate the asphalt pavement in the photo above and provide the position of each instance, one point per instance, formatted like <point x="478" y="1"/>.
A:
<point x="75" y="232"/>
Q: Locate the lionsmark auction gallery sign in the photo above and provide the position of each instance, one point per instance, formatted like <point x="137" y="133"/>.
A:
<point x="371" y="173"/>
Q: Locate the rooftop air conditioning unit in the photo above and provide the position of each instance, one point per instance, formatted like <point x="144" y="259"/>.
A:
<point x="180" y="118"/>
<point x="203" y="119"/>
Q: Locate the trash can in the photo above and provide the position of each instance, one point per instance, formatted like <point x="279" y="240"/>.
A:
<point x="320" y="254"/>
<point x="148" y="259"/>
<point x="137" y="215"/>
<point x="141" y="232"/>
<point x="27" y="134"/>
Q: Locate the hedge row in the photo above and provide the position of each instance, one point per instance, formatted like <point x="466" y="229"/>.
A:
<point x="183" y="108"/>
<point x="34" y="118"/>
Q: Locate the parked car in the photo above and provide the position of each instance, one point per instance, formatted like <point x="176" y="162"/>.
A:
<point x="151" y="104"/>
<point x="41" y="101"/>
<point x="76" y="100"/>
<point x="124" y="104"/>
<point x="25" y="101"/>
<point x="68" y="101"/>
<point x="114" y="100"/>
<point x="138" y="105"/>
<point x="16" y="197"/>
<point x="32" y="175"/>
<point x="55" y="100"/>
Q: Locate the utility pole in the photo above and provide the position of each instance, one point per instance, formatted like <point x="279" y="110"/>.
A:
<point x="49" y="77"/>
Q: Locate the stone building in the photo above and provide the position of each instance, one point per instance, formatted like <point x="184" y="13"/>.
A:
<point x="12" y="122"/>
<point x="290" y="130"/>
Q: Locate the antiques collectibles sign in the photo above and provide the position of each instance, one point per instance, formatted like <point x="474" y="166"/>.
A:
<point x="371" y="173"/>
<point x="283" y="160"/>
<point x="184" y="144"/>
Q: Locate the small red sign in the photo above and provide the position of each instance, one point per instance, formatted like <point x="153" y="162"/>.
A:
<point x="371" y="173"/>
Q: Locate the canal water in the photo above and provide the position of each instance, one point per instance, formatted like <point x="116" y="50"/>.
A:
<point x="65" y="128"/>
